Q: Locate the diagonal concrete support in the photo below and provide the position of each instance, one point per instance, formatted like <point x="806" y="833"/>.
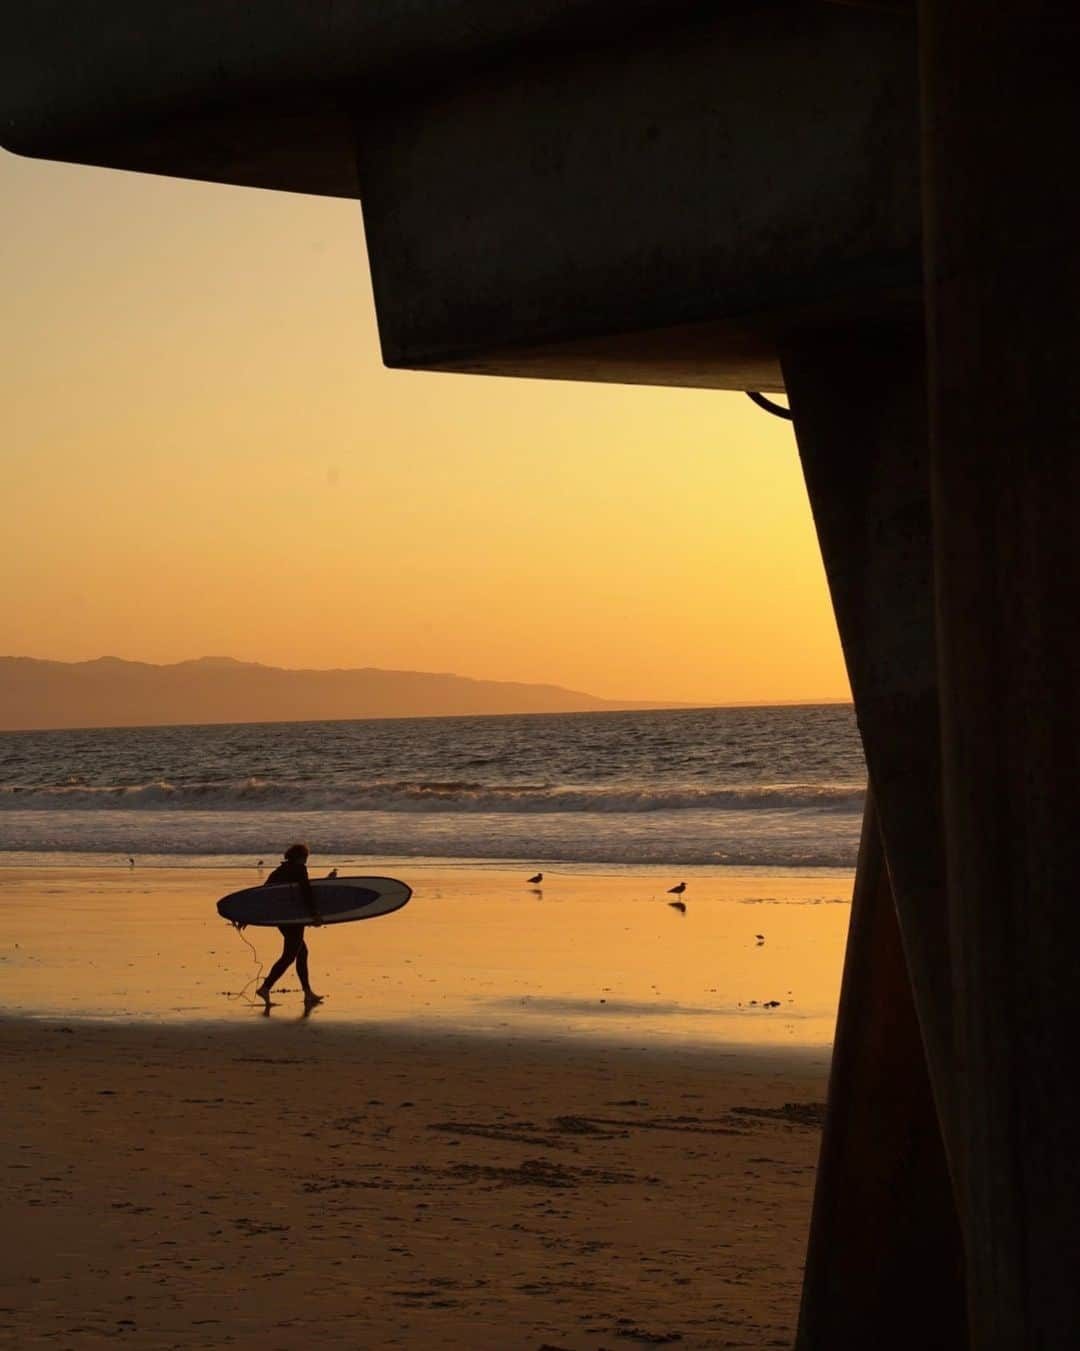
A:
<point x="885" y="1216"/>
<point x="859" y="406"/>
<point x="882" y="1220"/>
<point x="1002" y="214"/>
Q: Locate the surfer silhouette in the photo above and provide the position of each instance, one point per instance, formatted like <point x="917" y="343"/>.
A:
<point x="293" y="868"/>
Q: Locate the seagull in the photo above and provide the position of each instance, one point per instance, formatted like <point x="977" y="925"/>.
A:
<point x="680" y="906"/>
<point x="760" y="939"/>
<point x="331" y="873"/>
<point x="677" y="891"/>
<point x="535" y="881"/>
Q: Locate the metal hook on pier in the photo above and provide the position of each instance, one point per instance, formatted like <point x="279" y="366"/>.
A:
<point x="776" y="409"/>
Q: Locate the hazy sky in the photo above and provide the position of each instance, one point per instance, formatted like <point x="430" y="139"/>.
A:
<point x="203" y="454"/>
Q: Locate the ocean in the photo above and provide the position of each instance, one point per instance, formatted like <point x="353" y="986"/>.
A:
<point x="698" y="789"/>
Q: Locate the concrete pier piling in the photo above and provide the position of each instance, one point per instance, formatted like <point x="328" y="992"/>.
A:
<point x="1001" y="119"/>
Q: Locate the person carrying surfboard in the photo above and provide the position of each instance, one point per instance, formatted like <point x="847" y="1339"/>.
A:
<point x="293" y="868"/>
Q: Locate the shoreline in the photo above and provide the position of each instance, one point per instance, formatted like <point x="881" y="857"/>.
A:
<point x="359" y="863"/>
<point x="750" y="959"/>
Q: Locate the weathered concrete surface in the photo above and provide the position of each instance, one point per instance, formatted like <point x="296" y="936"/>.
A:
<point x="267" y="95"/>
<point x="1003" y="292"/>
<point x="641" y="192"/>
<point x="885" y="1214"/>
<point x="859" y="405"/>
<point x="727" y="179"/>
<point x="884" y="1220"/>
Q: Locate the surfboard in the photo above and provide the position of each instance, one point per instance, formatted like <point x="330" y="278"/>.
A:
<point x="340" y="900"/>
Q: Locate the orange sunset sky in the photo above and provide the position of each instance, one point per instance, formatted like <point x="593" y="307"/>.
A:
<point x="204" y="454"/>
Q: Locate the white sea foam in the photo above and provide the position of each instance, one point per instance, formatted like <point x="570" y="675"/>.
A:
<point x="260" y="794"/>
<point x="782" y="839"/>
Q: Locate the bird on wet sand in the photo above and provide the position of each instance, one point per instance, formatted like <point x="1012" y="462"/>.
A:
<point x="678" y="890"/>
<point x="535" y="881"/>
<point x="331" y="874"/>
<point x="680" y="906"/>
<point x="132" y="862"/>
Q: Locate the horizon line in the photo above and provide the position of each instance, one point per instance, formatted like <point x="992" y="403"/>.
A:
<point x="641" y="704"/>
<point x="417" y="717"/>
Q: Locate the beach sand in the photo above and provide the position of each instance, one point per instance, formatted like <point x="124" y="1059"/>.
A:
<point x="181" y="1171"/>
<point x="475" y="949"/>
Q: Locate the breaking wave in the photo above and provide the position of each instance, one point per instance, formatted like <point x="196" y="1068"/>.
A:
<point x="254" y="794"/>
<point x="779" y="787"/>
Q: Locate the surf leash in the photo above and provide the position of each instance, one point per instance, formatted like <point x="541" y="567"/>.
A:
<point x="243" y="993"/>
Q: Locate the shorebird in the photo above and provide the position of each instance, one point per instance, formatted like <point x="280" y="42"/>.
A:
<point x="331" y="873"/>
<point x="132" y="862"/>
<point x="535" y="881"/>
<point x="259" y="864"/>
<point x="680" y="906"/>
<point x="677" y="891"/>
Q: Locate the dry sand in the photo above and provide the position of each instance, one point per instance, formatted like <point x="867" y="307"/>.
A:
<point x="286" y="1185"/>
<point x="463" y="1148"/>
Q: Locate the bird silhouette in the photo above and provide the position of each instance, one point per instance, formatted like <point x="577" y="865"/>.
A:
<point x="680" y="906"/>
<point x="535" y="881"/>
<point x="677" y="891"/>
<point x="331" y="874"/>
<point x="132" y="862"/>
<point x="760" y="939"/>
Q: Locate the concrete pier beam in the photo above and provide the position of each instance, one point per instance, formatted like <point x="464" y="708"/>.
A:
<point x="647" y="191"/>
<point x="1001" y="118"/>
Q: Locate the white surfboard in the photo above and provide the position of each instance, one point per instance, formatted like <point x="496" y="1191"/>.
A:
<point x="340" y="900"/>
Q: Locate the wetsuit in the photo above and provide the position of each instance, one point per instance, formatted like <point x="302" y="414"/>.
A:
<point x="295" y="949"/>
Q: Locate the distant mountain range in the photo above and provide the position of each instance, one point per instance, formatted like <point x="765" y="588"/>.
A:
<point x="110" y="692"/>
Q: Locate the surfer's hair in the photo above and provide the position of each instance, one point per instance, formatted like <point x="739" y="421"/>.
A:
<point x="297" y="851"/>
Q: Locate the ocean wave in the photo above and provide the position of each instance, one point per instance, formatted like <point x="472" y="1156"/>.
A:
<point x="453" y="796"/>
<point x="532" y="842"/>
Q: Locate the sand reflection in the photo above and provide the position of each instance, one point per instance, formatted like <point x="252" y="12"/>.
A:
<point x="474" y="950"/>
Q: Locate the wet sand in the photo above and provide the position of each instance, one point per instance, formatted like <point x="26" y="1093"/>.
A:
<point x="181" y="1171"/>
<point x="475" y="949"/>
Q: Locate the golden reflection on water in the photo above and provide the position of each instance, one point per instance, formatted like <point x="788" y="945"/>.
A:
<point x="474" y="949"/>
